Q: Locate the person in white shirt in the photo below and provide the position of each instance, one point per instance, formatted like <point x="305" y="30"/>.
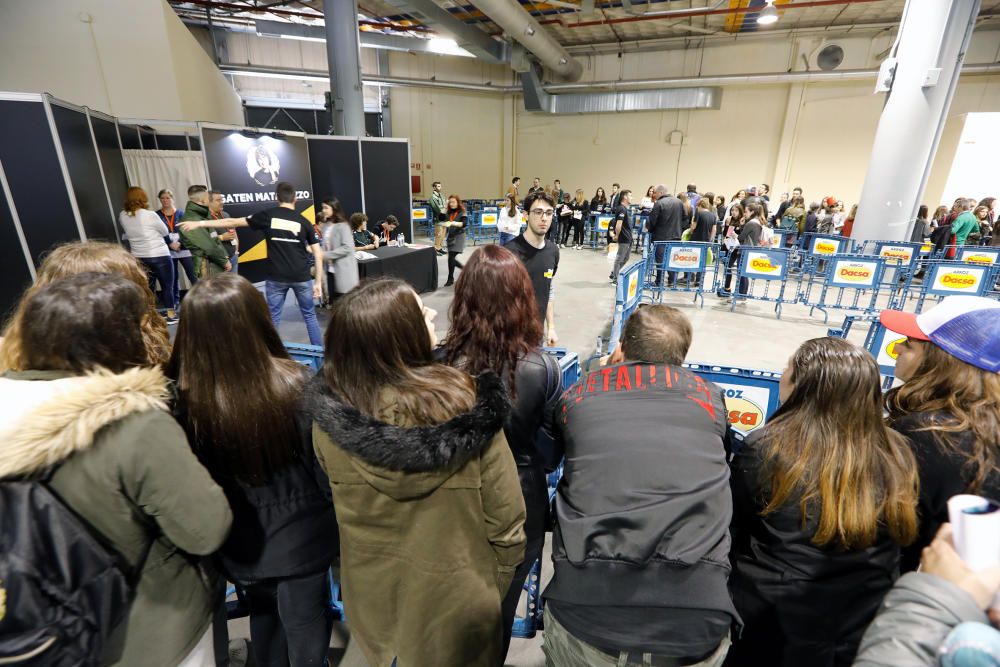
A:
<point x="147" y="234"/>
<point x="509" y="220"/>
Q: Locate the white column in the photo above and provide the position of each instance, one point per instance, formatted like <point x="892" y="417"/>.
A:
<point x="344" y="57"/>
<point x="929" y="53"/>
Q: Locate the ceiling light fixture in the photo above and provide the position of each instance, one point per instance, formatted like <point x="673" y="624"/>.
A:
<point x="768" y="15"/>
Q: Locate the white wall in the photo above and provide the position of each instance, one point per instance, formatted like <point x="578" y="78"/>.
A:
<point x="131" y="59"/>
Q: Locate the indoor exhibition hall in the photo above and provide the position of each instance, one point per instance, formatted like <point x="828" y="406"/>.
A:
<point x="485" y="333"/>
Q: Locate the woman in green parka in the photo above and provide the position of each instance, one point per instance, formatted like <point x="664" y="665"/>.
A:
<point x="428" y="500"/>
<point x="86" y="406"/>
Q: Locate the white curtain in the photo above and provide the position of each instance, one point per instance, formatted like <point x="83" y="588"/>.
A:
<point x="172" y="170"/>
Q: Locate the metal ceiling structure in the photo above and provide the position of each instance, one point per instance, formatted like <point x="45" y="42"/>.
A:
<point x="587" y="22"/>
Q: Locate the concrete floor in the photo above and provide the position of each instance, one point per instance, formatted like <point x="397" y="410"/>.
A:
<point x="750" y="337"/>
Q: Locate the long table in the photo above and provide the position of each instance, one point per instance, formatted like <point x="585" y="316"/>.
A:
<point x="417" y="266"/>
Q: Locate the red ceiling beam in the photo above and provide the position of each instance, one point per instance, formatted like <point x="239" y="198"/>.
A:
<point x="783" y="6"/>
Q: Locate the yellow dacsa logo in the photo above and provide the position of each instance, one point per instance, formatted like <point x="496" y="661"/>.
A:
<point x="958" y="280"/>
<point x="825" y="247"/>
<point x="854" y="273"/>
<point x="763" y="264"/>
<point x="978" y="259"/>
<point x="419" y="214"/>
<point x="744" y="415"/>
<point x="891" y="350"/>
<point x="633" y="286"/>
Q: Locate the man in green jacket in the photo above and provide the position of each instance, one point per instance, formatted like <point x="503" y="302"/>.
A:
<point x="210" y="256"/>
<point x="437" y="206"/>
<point x="964" y="224"/>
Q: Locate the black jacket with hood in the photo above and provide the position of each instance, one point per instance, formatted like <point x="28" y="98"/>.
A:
<point x="643" y="509"/>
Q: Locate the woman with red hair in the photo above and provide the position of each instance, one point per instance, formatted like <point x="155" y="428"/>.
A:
<point x="145" y="233"/>
<point x="495" y="326"/>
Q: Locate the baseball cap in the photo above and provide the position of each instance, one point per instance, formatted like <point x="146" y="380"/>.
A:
<point x="966" y="327"/>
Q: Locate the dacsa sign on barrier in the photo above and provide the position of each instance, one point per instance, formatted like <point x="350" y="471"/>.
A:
<point x="746" y="406"/>
<point x="825" y="246"/>
<point x="685" y="258"/>
<point x="633" y="287"/>
<point x="489" y="218"/>
<point x="981" y="256"/>
<point x="603" y="221"/>
<point x="765" y="265"/>
<point x="898" y="254"/>
<point x="853" y="273"/>
<point x="949" y="279"/>
<point x="884" y="347"/>
<point x="419" y="213"/>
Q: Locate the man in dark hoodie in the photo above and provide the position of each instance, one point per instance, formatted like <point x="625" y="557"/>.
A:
<point x="641" y="542"/>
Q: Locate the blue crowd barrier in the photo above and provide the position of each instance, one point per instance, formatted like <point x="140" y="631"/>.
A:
<point x="766" y="272"/>
<point x="569" y="365"/>
<point x="423" y="219"/>
<point x="851" y="282"/>
<point x="307" y="355"/>
<point x="949" y="277"/>
<point x="689" y="261"/>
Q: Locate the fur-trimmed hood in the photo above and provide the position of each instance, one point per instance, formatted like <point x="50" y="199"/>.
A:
<point x="402" y="460"/>
<point x="44" y="421"/>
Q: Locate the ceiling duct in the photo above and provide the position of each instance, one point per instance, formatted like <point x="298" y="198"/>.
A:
<point x="468" y="37"/>
<point x="525" y="30"/>
<point x="536" y="99"/>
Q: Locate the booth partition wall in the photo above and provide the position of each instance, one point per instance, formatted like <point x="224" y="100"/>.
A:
<point x="63" y="177"/>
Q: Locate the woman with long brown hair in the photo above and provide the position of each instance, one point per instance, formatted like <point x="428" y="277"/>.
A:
<point x="949" y="404"/>
<point x="246" y="428"/>
<point x="495" y="327"/>
<point x="454" y="218"/>
<point x="430" y="511"/>
<point x="823" y="497"/>
<point x="88" y="257"/>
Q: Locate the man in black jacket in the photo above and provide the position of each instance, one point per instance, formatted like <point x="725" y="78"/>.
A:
<point x="665" y="223"/>
<point x="641" y="542"/>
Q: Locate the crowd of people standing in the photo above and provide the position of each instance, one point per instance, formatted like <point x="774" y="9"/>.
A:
<point x="416" y="467"/>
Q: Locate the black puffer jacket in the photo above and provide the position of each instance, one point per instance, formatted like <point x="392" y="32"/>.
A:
<point x="943" y="473"/>
<point x="801" y="604"/>
<point x="643" y="510"/>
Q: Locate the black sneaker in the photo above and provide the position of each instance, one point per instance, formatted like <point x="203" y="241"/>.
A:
<point x="172" y="320"/>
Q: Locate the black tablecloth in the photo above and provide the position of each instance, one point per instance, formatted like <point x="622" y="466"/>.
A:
<point x="417" y="266"/>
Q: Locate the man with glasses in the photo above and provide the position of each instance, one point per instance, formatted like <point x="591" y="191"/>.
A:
<point x="540" y="257"/>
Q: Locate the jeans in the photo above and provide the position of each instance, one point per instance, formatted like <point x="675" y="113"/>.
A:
<point x="661" y="250"/>
<point x="536" y="505"/>
<point x="971" y="645"/>
<point x="564" y="650"/>
<point x="186" y="263"/>
<point x="234" y="260"/>
<point x="624" y="250"/>
<point x="553" y="233"/>
<point x="506" y="238"/>
<point x="288" y="621"/>
<point x="161" y="269"/>
<point x="276" y="292"/>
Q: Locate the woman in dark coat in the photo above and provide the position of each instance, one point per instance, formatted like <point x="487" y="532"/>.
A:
<point x="249" y="431"/>
<point x="495" y="326"/>
<point x="454" y="218"/>
<point x="823" y="497"/>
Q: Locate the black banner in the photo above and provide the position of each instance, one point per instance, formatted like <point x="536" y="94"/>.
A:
<point x="246" y="169"/>
<point x="15" y="272"/>
<point x="386" y="169"/>
<point x="85" y="174"/>
<point x="336" y="171"/>
<point x="28" y="154"/>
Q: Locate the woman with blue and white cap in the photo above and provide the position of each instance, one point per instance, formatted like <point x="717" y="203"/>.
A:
<point x="949" y="404"/>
